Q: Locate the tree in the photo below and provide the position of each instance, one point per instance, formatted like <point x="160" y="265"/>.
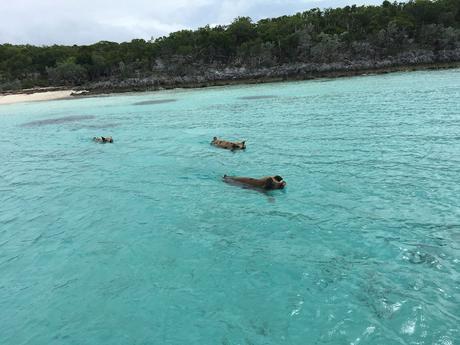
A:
<point x="242" y="30"/>
<point x="67" y="73"/>
<point x="322" y="36"/>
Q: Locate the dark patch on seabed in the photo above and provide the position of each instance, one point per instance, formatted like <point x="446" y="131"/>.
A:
<point x="155" y="101"/>
<point x="59" y="120"/>
<point x="257" y="97"/>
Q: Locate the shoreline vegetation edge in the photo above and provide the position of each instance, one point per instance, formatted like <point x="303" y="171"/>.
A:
<point x="153" y="84"/>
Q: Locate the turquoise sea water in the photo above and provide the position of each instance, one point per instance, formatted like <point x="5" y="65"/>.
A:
<point x="140" y="242"/>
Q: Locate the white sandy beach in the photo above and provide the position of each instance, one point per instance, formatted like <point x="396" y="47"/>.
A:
<point x="38" y="96"/>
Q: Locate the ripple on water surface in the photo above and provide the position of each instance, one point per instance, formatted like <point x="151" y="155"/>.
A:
<point x="141" y="242"/>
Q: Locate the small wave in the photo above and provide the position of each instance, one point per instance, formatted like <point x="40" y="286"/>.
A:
<point x="100" y="125"/>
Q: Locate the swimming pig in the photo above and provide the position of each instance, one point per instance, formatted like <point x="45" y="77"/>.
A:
<point x="103" y="140"/>
<point x="267" y="183"/>
<point x="229" y="145"/>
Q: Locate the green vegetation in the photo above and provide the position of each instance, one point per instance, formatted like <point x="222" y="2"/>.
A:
<point x="418" y="31"/>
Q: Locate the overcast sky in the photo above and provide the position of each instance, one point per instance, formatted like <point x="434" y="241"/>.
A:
<point x="46" y="22"/>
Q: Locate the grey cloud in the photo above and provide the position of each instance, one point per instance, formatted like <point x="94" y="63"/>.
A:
<point x="47" y="22"/>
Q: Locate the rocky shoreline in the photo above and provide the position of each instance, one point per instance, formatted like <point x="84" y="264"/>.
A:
<point x="209" y="77"/>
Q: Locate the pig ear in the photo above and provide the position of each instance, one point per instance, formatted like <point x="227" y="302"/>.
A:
<point x="269" y="184"/>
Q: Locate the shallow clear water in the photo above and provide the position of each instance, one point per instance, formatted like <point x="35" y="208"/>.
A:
<point x="140" y="242"/>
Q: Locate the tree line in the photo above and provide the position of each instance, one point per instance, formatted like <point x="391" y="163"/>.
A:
<point x="351" y="33"/>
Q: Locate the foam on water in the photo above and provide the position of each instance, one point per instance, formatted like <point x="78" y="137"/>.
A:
<point x="140" y="241"/>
